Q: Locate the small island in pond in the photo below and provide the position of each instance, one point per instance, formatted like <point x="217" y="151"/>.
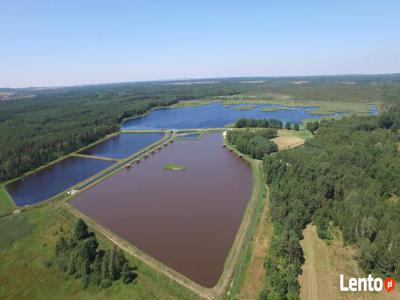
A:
<point x="174" y="167"/>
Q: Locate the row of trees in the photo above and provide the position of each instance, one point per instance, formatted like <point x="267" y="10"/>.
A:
<point x="348" y="177"/>
<point x="78" y="255"/>
<point x="261" y="123"/>
<point x="255" y="144"/>
<point x="265" y="123"/>
<point x="289" y="126"/>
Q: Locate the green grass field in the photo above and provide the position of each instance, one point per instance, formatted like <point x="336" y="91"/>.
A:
<point x="6" y="203"/>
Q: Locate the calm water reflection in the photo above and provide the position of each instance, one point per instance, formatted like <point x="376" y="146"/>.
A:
<point x="52" y="180"/>
<point x="216" y="115"/>
<point x="124" y="144"/>
<point x="185" y="219"/>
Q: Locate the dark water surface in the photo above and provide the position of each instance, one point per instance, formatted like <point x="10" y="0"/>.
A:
<point x="185" y="219"/>
<point x="52" y="180"/>
<point x="124" y="144"/>
<point x="216" y="115"/>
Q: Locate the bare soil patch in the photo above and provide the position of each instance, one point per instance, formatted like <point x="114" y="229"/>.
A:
<point x="323" y="265"/>
<point x="286" y="142"/>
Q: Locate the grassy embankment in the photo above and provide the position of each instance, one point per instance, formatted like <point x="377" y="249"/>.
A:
<point x="255" y="275"/>
<point x="250" y="220"/>
<point x="6" y="203"/>
<point x="320" y="278"/>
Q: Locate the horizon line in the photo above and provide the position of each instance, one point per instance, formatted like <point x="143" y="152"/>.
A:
<point x="196" y="78"/>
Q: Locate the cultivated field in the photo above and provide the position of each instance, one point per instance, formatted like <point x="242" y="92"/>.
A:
<point x="291" y="138"/>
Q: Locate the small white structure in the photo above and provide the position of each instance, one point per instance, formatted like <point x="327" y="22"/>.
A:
<point x="224" y="134"/>
<point x="72" y="192"/>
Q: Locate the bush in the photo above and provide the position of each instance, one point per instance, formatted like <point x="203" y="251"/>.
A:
<point x="105" y="283"/>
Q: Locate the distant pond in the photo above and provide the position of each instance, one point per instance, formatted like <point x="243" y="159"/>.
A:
<point x="217" y="115"/>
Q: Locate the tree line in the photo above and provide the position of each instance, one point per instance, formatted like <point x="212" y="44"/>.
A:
<point x="256" y="144"/>
<point x="348" y="177"/>
<point x="78" y="255"/>
<point x="265" y="123"/>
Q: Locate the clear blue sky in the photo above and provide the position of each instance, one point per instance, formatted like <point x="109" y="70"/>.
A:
<point x="47" y="43"/>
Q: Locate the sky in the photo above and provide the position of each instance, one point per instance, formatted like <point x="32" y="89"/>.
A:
<point x="57" y="43"/>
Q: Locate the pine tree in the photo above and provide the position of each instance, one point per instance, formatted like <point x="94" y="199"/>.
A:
<point x="112" y="269"/>
<point x="105" y="273"/>
<point x="61" y="246"/>
<point x="97" y="267"/>
<point x="127" y="273"/>
<point x="81" y="230"/>
<point x="119" y="262"/>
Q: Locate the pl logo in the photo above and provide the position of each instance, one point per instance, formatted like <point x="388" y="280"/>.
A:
<point x="368" y="284"/>
<point x="389" y="284"/>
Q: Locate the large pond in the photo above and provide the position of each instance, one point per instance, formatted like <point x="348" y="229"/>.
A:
<point x="54" y="179"/>
<point x="216" y="115"/>
<point x="124" y="144"/>
<point x="186" y="219"/>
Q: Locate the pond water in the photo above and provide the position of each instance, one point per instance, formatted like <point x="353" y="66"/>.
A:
<point x="190" y="136"/>
<point x="124" y="144"/>
<point x="186" y="219"/>
<point x="54" y="179"/>
<point x="216" y="115"/>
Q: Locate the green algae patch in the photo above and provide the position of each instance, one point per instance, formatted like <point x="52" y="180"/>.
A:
<point x="174" y="167"/>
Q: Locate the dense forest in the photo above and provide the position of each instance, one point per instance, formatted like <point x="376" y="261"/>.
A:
<point x="41" y="124"/>
<point x="348" y="177"/>
<point x="256" y="144"/>
<point x="77" y="255"/>
<point x="53" y="123"/>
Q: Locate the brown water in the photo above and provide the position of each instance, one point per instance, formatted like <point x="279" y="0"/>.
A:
<point x="185" y="219"/>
